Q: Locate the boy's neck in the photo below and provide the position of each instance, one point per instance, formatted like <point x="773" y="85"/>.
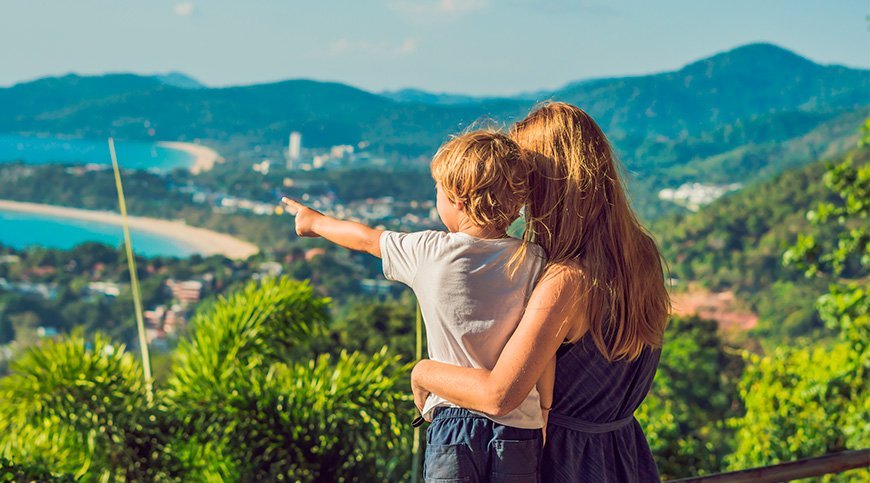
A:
<point x="465" y="226"/>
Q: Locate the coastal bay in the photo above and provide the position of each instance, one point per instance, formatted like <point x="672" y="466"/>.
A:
<point x="180" y="239"/>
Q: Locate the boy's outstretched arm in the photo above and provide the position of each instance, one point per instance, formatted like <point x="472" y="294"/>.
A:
<point x="349" y="234"/>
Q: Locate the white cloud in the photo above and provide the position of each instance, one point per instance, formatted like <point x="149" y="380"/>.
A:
<point x="425" y="9"/>
<point x="345" y="47"/>
<point x="183" y="9"/>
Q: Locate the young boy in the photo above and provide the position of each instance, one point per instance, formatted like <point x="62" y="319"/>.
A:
<point x="472" y="284"/>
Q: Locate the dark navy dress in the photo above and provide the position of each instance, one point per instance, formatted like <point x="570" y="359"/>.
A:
<point x="592" y="434"/>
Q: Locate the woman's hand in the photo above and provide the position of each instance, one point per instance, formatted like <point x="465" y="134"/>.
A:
<point x="420" y="394"/>
<point x="305" y="217"/>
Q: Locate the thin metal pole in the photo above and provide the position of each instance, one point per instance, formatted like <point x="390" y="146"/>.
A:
<point x="415" y="449"/>
<point x="134" y="278"/>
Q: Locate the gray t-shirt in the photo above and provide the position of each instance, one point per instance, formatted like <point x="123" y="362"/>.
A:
<point x="471" y="305"/>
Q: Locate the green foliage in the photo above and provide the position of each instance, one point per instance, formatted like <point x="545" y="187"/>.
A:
<point x="366" y="326"/>
<point x="75" y="306"/>
<point x="248" y="398"/>
<point x="693" y="393"/>
<point x="246" y="385"/>
<point x="846" y="216"/>
<point x="798" y="405"/>
<point x="324" y="420"/>
<point x="736" y="243"/>
<point x="810" y="401"/>
<point x="80" y="407"/>
<point x="277" y="320"/>
<point x="10" y="471"/>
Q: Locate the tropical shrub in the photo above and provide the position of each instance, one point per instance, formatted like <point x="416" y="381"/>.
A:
<point x="810" y="401"/>
<point x="694" y="391"/>
<point x="78" y="406"/>
<point x="253" y="395"/>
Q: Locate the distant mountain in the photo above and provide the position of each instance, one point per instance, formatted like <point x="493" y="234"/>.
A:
<point x="417" y="96"/>
<point x="180" y="80"/>
<point x="665" y="126"/>
<point x="750" y="81"/>
<point x="128" y="106"/>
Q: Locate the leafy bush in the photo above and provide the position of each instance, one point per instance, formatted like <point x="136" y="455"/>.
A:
<point x="252" y="396"/>
<point x="10" y="471"/>
<point x="693" y="393"/>
<point x="80" y="407"/>
<point x="803" y="402"/>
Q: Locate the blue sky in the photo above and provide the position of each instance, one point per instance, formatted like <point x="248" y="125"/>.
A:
<point x="471" y="46"/>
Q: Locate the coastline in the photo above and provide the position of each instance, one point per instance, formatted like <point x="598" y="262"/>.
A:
<point x="203" y="241"/>
<point x="204" y="157"/>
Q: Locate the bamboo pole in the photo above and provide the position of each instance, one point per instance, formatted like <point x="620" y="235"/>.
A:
<point x="134" y="278"/>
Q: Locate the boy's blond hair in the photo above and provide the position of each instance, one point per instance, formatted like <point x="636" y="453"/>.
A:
<point x="488" y="172"/>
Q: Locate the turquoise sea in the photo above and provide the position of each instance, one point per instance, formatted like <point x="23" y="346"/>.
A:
<point x="21" y="230"/>
<point x="131" y="154"/>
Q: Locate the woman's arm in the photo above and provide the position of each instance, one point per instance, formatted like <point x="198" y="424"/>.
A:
<point x="545" y="386"/>
<point x="348" y="234"/>
<point x="552" y="310"/>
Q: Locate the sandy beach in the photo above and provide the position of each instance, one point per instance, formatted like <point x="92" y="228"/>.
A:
<point x="205" y="157"/>
<point x="206" y="242"/>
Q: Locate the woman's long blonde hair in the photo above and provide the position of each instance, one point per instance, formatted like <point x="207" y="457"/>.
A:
<point x="579" y="213"/>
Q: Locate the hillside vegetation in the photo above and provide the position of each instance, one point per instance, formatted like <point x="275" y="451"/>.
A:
<point x="737" y="242"/>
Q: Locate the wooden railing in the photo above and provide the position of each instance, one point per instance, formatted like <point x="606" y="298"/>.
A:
<point x="805" y="468"/>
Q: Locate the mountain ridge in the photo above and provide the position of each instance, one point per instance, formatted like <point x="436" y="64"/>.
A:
<point x="661" y="125"/>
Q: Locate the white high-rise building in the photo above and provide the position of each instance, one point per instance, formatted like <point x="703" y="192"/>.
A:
<point x="294" y="149"/>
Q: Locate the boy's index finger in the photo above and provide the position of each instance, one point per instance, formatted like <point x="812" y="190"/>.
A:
<point x="293" y="206"/>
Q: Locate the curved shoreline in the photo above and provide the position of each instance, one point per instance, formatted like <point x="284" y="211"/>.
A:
<point x="204" y="156"/>
<point x="201" y="240"/>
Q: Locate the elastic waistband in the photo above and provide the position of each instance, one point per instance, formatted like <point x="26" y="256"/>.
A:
<point x="587" y="427"/>
<point x="451" y="413"/>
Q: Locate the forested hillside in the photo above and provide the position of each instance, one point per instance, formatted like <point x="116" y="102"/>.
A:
<point x="737" y="242"/>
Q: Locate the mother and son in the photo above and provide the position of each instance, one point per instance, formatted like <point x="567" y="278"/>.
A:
<point x="540" y="349"/>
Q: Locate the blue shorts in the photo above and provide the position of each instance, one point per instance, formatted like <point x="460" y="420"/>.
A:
<point x="462" y="446"/>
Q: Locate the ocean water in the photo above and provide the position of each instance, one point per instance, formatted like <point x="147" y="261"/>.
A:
<point x="21" y="230"/>
<point x="131" y="154"/>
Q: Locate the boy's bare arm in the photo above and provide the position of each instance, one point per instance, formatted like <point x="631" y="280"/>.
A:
<point x="349" y="234"/>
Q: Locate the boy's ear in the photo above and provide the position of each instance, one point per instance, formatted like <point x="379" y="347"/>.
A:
<point x="460" y="205"/>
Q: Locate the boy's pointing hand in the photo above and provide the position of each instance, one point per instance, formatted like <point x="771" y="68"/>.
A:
<point x="305" y="217"/>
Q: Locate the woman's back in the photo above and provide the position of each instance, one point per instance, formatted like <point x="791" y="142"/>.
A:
<point x="592" y="434"/>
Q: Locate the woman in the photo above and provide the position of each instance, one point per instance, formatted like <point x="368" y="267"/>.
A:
<point x="601" y="309"/>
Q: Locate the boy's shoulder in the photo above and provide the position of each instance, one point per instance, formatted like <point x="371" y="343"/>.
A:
<point x="426" y="241"/>
<point x="423" y="235"/>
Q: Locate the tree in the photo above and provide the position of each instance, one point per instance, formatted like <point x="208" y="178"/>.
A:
<point x="804" y="402"/>
<point x="692" y="395"/>
<point x="367" y="325"/>
<point x="250" y="385"/>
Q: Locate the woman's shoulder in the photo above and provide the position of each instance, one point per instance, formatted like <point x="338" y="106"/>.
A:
<point x="569" y="271"/>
